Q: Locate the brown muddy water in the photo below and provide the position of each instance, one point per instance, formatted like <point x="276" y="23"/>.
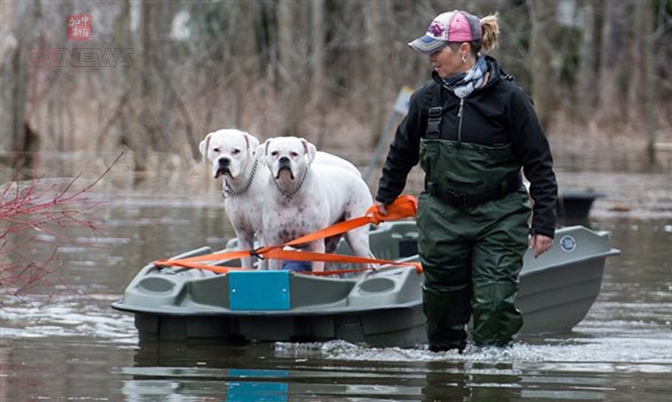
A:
<point x="64" y="342"/>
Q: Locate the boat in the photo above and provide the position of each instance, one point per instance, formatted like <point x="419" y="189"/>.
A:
<point x="575" y="206"/>
<point x="379" y="308"/>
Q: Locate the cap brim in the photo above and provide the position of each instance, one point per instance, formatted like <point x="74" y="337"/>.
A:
<point x="426" y="44"/>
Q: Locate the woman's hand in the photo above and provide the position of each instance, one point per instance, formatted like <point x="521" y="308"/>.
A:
<point x="381" y="208"/>
<point x="540" y="244"/>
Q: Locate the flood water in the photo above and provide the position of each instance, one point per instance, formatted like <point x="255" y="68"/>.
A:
<point x="63" y="342"/>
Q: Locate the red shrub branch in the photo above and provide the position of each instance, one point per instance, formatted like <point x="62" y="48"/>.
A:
<point x="40" y="210"/>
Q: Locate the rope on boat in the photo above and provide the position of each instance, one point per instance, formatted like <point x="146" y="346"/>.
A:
<point x="405" y="206"/>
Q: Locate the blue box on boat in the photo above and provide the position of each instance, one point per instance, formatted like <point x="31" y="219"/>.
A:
<point x="258" y="290"/>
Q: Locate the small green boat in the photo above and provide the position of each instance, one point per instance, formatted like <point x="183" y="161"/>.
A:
<point x="378" y="308"/>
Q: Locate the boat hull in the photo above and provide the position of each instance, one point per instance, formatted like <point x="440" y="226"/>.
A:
<point x="382" y="308"/>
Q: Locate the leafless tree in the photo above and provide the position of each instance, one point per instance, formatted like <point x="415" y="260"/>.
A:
<point x="313" y="68"/>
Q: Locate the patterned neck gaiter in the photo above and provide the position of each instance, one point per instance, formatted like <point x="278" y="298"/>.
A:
<point x="463" y="84"/>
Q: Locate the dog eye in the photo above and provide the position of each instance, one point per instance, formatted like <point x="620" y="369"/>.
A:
<point x="215" y="150"/>
<point x="236" y="151"/>
<point x="274" y="153"/>
<point x="293" y="154"/>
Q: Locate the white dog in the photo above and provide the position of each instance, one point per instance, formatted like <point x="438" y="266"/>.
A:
<point x="245" y="181"/>
<point x="304" y="196"/>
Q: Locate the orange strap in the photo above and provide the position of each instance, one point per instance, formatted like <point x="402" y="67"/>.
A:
<point x="404" y="206"/>
<point x="281" y="254"/>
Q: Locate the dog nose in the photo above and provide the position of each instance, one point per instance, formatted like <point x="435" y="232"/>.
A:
<point x="224" y="161"/>
<point x="284" y="159"/>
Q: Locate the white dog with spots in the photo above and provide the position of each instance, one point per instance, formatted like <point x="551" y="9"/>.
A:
<point x="245" y="182"/>
<point x="304" y="196"/>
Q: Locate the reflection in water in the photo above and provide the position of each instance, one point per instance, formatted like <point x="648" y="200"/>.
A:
<point x="439" y="385"/>
<point x="240" y="385"/>
<point x="283" y="371"/>
<point x="248" y="391"/>
<point x="538" y="369"/>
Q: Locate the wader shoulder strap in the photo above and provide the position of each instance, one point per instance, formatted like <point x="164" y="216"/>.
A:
<point x="434" y="118"/>
<point x="434" y="123"/>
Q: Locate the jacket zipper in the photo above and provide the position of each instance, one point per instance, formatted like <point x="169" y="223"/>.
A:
<point x="459" y="124"/>
<point x="459" y="117"/>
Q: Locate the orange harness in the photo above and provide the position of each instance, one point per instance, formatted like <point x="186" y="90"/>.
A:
<point x="405" y="206"/>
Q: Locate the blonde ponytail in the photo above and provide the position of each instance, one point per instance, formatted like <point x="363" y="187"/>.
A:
<point x="489" y="32"/>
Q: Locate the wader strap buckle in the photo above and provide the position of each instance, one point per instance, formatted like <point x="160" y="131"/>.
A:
<point x="434" y="123"/>
<point x="459" y="200"/>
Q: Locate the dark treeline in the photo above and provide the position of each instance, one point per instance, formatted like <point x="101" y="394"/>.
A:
<point x="314" y="68"/>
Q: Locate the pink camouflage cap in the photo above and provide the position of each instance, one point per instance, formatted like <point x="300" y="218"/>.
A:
<point x="453" y="26"/>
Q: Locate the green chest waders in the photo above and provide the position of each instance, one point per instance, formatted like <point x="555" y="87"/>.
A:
<point x="473" y="224"/>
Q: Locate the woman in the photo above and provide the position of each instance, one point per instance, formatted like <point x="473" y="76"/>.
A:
<point x="472" y="128"/>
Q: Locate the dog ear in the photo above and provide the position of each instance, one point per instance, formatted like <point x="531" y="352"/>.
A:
<point x="252" y="143"/>
<point x="260" y="153"/>
<point x="310" y="149"/>
<point x="203" y="147"/>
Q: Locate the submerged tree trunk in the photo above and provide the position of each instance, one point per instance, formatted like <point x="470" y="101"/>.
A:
<point x="379" y="14"/>
<point x="541" y="16"/>
<point x="649" y="95"/>
<point x="9" y="50"/>
<point x="612" y="42"/>
<point x="318" y="86"/>
<point x="245" y="66"/>
<point x="291" y="67"/>
<point x="133" y="127"/>
<point x="23" y="140"/>
<point x="640" y="37"/>
<point x="641" y="95"/>
<point x="586" y="92"/>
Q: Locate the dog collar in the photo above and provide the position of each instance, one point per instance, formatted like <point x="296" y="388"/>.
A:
<point x="228" y="190"/>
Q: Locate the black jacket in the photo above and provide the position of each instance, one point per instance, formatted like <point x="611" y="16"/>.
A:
<point x="497" y="114"/>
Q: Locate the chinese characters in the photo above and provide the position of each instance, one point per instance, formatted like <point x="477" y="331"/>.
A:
<point x="80" y="27"/>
